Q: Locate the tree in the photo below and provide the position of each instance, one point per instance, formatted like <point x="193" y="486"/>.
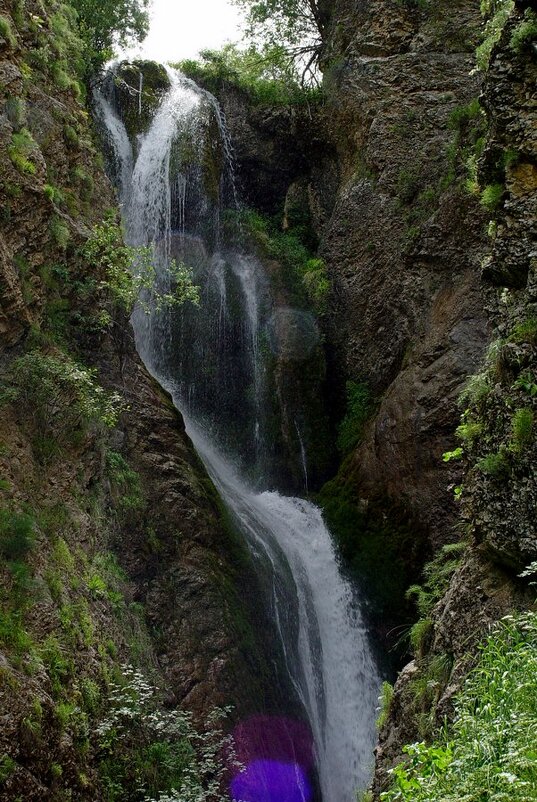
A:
<point x="299" y="26"/>
<point x="104" y="24"/>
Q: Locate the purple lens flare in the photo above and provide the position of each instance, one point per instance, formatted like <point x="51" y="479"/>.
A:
<point x="271" y="781"/>
<point x="275" y="755"/>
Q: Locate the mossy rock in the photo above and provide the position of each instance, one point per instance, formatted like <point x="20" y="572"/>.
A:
<point x="155" y="82"/>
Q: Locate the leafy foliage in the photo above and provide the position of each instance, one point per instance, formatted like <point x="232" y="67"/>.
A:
<point x="266" y="74"/>
<point x="150" y="755"/>
<point x="102" y="25"/>
<point x="488" y="754"/>
<point x="60" y="394"/>
<point x="129" y="274"/>
<point x="296" y="27"/>
<point x="525" y="32"/>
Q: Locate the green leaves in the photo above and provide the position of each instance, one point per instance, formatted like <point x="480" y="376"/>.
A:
<point x="103" y="25"/>
<point x="488" y="753"/>
<point x="128" y="275"/>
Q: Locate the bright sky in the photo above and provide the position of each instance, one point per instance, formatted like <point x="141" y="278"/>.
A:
<point x="181" y="28"/>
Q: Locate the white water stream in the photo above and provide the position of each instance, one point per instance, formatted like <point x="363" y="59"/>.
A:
<point x="325" y="646"/>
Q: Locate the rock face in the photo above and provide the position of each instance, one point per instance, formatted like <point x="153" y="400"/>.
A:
<point x="404" y="241"/>
<point x="498" y="491"/>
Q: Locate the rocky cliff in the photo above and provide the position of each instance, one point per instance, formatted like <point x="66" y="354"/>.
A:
<point x="497" y="433"/>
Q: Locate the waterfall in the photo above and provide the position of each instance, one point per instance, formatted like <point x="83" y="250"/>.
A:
<point x="212" y="362"/>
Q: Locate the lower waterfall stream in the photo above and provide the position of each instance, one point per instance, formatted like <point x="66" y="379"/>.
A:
<point x="211" y="360"/>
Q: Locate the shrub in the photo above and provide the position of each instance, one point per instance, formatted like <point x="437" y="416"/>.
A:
<point x="61" y="394"/>
<point x="6" y="31"/>
<point x="488" y="752"/>
<point x="129" y="272"/>
<point x="492" y="195"/>
<point x="359" y="409"/>
<point x="17" y="534"/>
<point x="522" y="429"/>
<point x="21" y="148"/>
<point x="155" y="753"/>
<point x="525" y="32"/>
<point x="385" y="702"/>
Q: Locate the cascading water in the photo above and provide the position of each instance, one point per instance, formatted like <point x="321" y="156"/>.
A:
<point x="212" y="361"/>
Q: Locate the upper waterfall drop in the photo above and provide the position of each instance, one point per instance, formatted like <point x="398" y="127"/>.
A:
<point x="177" y="185"/>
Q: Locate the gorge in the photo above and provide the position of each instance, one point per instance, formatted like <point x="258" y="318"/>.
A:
<point x="306" y="463"/>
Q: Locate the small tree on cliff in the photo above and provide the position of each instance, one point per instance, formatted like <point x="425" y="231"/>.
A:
<point x="297" y="26"/>
<point x="104" y="24"/>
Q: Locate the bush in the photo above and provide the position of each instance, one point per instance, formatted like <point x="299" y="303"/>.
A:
<point x="61" y="395"/>
<point x="525" y="32"/>
<point x="17" y="534"/>
<point x="360" y="407"/>
<point x="488" y="753"/>
<point x="492" y="196"/>
<point x="21" y="148"/>
<point x="129" y="275"/>
<point x="145" y="750"/>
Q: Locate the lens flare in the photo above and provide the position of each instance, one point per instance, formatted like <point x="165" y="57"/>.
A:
<point x="275" y="754"/>
<point x="271" y="781"/>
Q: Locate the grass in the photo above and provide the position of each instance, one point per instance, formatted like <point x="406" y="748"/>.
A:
<point x="522" y="429"/>
<point x="6" y="31"/>
<point x="488" y="754"/>
<point x="20" y="150"/>
<point x="385" y="702"/>
<point x="492" y="195"/>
